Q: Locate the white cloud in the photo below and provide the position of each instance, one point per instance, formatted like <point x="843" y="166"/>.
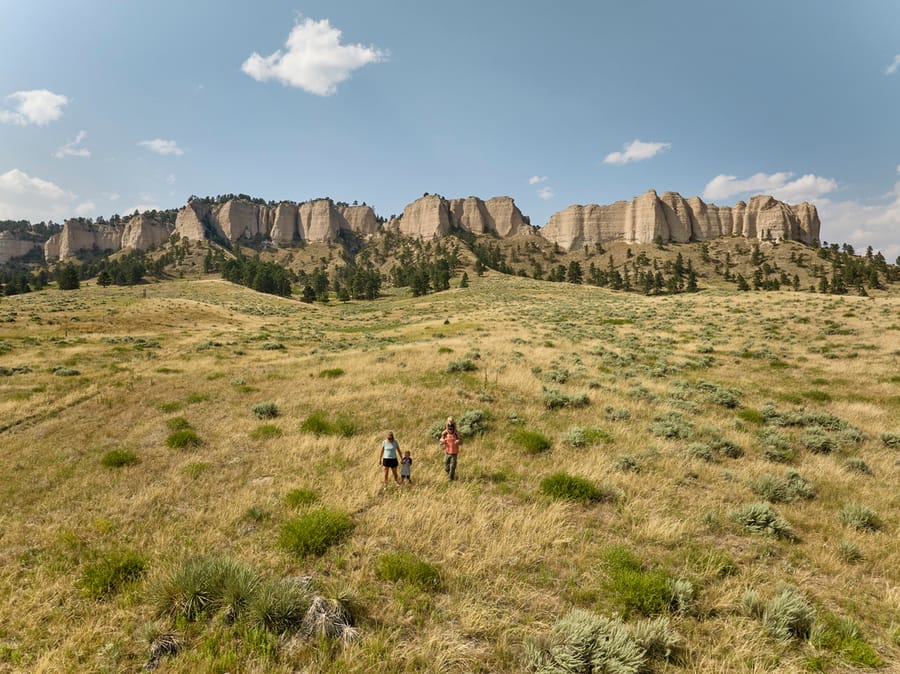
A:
<point x="85" y="210"/>
<point x="779" y="185"/>
<point x="23" y="197"/>
<point x="112" y="196"/>
<point x="170" y="179"/>
<point x="862" y="225"/>
<point x="534" y="180"/>
<point x="314" y="59"/>
<point x="891" y="69"/>
<point x="141" y="208"/>
<point x="37" y="106"/>
<point x="546" y="193"/>
<point x="163" y="147"/>
<point x="636" y="150"/>
<point x="74" y="148"/>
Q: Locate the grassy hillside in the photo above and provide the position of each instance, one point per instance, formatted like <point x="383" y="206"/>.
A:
<point x="136" y="436"/>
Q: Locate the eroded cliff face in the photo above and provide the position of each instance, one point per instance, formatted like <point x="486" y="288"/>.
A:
<point x="12" y="247"/>
<point x="433" y="216"/>
<point x="670" y="217"/>
<point x="426" y="218"/>
<point x="142" y="232"/>
<point x="78" y="236"/>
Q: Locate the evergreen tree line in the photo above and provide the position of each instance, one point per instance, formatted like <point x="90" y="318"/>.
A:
<point x="264" y="277"/>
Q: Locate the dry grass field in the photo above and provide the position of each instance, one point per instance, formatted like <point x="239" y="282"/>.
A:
<point x="136" y="437"/>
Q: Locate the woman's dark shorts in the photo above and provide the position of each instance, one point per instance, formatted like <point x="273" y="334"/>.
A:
<point x="389" y="463"/>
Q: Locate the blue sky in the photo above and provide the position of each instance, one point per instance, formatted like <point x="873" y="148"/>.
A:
<point x="110" y="105"/>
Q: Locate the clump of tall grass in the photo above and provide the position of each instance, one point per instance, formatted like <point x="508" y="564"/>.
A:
<point x="578" y="436"/>
<point x="266" y="432"/>
<point x="649" y="592"/>
<point x="313" y="533"/>
<point x="331" y="373"/>
<point x="407" y="568"/>
<point x="463" y="365"/>
<point x="563" y="486"/>
<point x="184" y="439"/>
<point x="849" y="552"/>
<point x="533" y="442"/>
<point x="857" y="465"/>
<point x="177" y="424"/>
<point x="297" y="498"/>
<point x="319" y="423"/>
<point x="843" y="637"/>
<point x="761" y="518"/>
<point x="116" y="458"/>
<point x="111" y="572"/>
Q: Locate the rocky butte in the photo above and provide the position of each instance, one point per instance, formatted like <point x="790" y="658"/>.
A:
<point x="671" y="217"/>
<point x="645" y="219"/>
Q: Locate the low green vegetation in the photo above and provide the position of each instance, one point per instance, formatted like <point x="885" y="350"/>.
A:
<point x="313" y="533"/>
<point x="111" y="572"/>
<point x="116" y="458"/>
<point x="571" y="488"/>
<point x="405" y="567"/>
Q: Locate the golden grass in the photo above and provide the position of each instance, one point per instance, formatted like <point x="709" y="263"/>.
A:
<point x="513" y="561"/>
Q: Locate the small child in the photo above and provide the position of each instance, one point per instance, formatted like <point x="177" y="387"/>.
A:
<point x="406" y="468"/>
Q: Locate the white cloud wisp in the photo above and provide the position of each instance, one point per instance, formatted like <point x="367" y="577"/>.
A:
<point x="779" y="185"/>
<point x="891" y="69"/>
<point x="546" y="193"/>
<point x="636" y="150"/>
<point x="314" y="59"/>
<point x="534" y="180"/>
<point x="163" y="147"/>
<point x="23" y="197"/>
<point x="38" y="106"/>
<point x="74" y="148"/>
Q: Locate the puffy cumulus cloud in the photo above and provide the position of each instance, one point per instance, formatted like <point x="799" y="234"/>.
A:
<point x="23" y="197"/>
<point x="86" y="210"/>
<point x="779" y="185"/>
<point x="141" y="208"/>
<point x="38" y="106"/>
<point x="862" y="224"/>
<point x="534" y="180"/>
<point x="313" y="60"/>
<point x="546" y="193"/>
<point x="891" y="69"/>
<point x="163" y="147"/>
<point x="636" y="150"/>
<point x="74" y="148"/>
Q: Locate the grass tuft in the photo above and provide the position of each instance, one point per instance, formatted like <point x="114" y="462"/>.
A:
<point x="761" y="518"/>
<point x="533" y="442"/>
<point x="300" y="497"/>
<point x="266" y="432"/>
<point x="267" y="410"/>
<point x="859" y="517"/>
<point x="563" y="486"/>
<point x="316" y="531"/>
<point x="117" y="458"/>
<point x="111" y="572"/>
<point x="185" y="439"/>
<point x="405" y="567"/>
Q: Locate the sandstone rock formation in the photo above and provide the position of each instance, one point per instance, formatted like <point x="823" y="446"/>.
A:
<point x="12" y="247"/>
<point x="359" y="219"/>
<point x="284" y="224"/>
<point x="670" y="217"/>
<point x="142" y="232"/>
<point x="426" y="218"/>
<point x="433" y="216"/>
<point x="80" y="235"/>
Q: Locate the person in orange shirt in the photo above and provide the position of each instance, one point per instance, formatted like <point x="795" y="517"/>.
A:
<point x="450" y="441"/>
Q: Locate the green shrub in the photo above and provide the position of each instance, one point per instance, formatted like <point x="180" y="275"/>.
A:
<point x="620" y="414"/>
<point x="300" y="497"/>
<point x="567" y="487"/>
<point x="701" y="451"/>
<point x="726" y="448"/>
<point x="843" y="637"/>
<point x="177" y="424"/>
<point x="464" y="365"/>
<point x="585" y="642"/>
<point x="117" y="458"/>
<point x="859" y="517"/>
<point x="195" y="469"/>
<point x="533" y="442"/>
<point x="318" y="423"/>
<point x="583" y="437"/>
<point x="471" y="423"/>
<point x="761" y="518"/>
<point x="891" y="440"/>
<point x="751" y="415"/>
<point x="266" y="432"/>
<point x="554" y="399"/>
<point x="776" y="446"/>
<point x="816" y="395"/>
<point x="407" y="568"/>
<point x="314" y="532"/>
<point x="168" y="408"/>
<point x="256" y="514"/>
<point x="791" y="487"/>
<point x="857" y="465"/>
<point x="185" y="439"/>
<point x="266" y="410"/>
<point x="108" y="574"/>
<point x="196" y="398"/>
<point x="636" y="590"/>
<point x="331" y="373"/>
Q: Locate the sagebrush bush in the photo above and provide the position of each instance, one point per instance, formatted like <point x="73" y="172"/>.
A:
<point x="184" y="439"/>
<point x="267" y="410"/>
<point x="857" y="465"/>
<point x="586" y="642"/>
<point x="620" y="414"/>
<point x="533" y="442"/>
<point x="472" y="423"/>
<point x="671" y="425"/>
<point x="626" y="464"/>
<point x="859" y="517"/>
<point x="571" y="488"/>
<point x="776" y="446"/>
<point x="555" y="400"/>
<point x="116" y="458"/>
<point x="849" y="552"/>
<point x="464" y="365"/>
<point x="818" y="441"/>
<point x="407" y="568"/>
<point x="301" y="497"/>
<point x="891" y="440"/>
<point x="761" y="518"/>
<point x="314" y="532"/>
<point x="788" y="615"/>
<point x="112" y="571"/>
<point x="657" y="637"/>
<point x="266" y="432"/>
<point x="200" y="585"/>
<point x="578" y="436"/>
<point x="791" y="487"/>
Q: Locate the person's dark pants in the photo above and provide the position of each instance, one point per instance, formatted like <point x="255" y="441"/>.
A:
<point x="450" y="465"/>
